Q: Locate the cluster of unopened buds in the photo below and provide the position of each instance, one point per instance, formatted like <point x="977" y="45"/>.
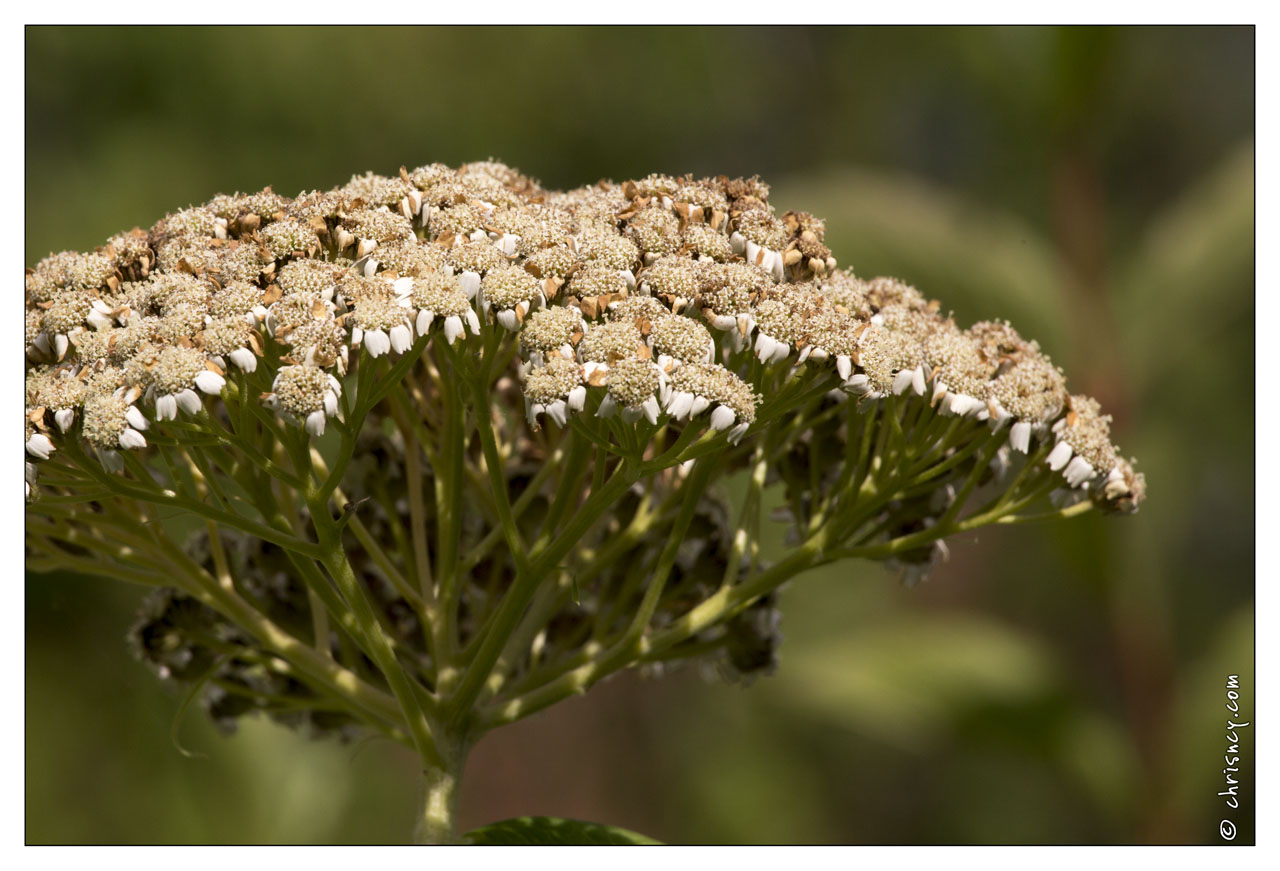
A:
<point x="460" y="432"/>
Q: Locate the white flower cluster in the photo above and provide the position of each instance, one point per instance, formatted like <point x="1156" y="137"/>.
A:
<point x="642" y="300"/>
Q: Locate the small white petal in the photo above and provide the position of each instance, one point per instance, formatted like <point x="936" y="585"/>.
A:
<point x="1059" y="456"/>
<point x="559" y="412"/>
<point x="133" y="439"/>
<point x="376" y="342"/>
<point x="651" y="409"/>
<point x="681" y="404"/>
<point x="470" y="283"/>
<point x="136" y="418"/>
<point x="844" y="366"/>
<point x="452" y="328"/>
<point x="473" y="321"/>
<point x="330" y="403"/>
<point x="859" y="384"/>
<point x="577" y="398"/>
<point x="775" y="264"/>
<point x="111" y="460"/>
<point x="722" y="417"/>
<point x="403" y="286"/>
<point x="189" y="401"/>
<point x="737" y="432"/>
<point x="424" y="321"/>
<point x="315" y="423"/>
<point x="64" y="417"/>
<point x="764" y="347"/>
<point x="244" y="359"/>
<point x="608" y="407"/>
<point x="98" y="320"/>
<point x="166" y="407"/>
<point x="737" y="242"/>
<point x="60" y="345"/>
<point x="401" y="338"/>
<point x="507" y="318"/>
<point x="917" y="380"/>
<point x="1078" y="471"/>
<point x="1020" y="436"/>
<point x="902" y="382"/>
<point x="40" y="445"/>
<point x="210" y="382"/>
<point x="700" y="404"/>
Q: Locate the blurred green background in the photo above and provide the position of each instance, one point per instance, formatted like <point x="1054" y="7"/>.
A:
<point x="1048" y="685"/>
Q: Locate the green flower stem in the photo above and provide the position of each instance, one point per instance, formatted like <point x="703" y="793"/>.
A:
<point x="504" y="620"/>
<point x="556" y="462"/>
<point x="319" y="671"/>
<point x="382" y="652"/>
<point x="747" y="515"/>
<point x="1062" y="513"/>
<point x="691" y="492"/>
<point x="416" y="482"/>
<point x="153" y="495"/>
<point x="449" y="499"/>
<point x="497" y="481"/>
<point x="712" y="610"/>
<point x="980" y="467"/>
<point x="546" y="603"/>
<point x="566" y="493"/>
<point x="535" y="695"/>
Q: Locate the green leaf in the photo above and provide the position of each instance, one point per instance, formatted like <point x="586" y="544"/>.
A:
<point x="553" y="832"/>
<point x="909" y="678"/>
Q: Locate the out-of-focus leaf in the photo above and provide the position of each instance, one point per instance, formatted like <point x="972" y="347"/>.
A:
<point x="906" y="680"/>
<point x="554" y="832"/>
<point x="1176" y="289"/>
<point x="980" y="261"/>
<point x="1096" y="751"/>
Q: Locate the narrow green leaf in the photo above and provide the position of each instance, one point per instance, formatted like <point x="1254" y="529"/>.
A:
<point x="554" y="832"/>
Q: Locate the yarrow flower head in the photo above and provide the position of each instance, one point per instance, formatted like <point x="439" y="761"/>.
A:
<point x="457" y="442"/>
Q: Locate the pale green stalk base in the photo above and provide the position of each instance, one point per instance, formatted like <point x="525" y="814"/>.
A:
<point x="438" y="822"/>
